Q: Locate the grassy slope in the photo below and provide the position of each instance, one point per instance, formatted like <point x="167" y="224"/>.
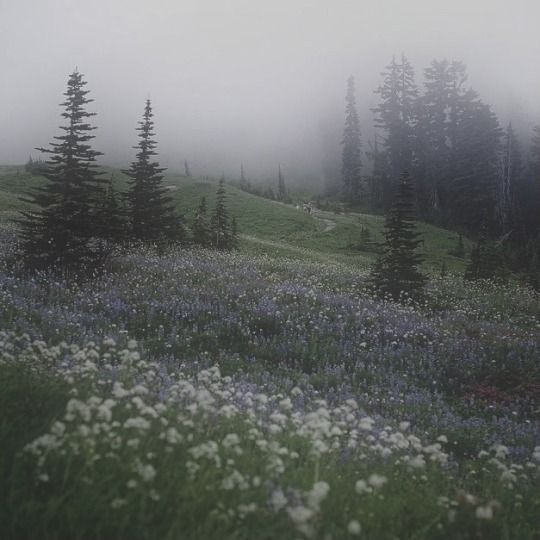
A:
<point x="266" y="226"/>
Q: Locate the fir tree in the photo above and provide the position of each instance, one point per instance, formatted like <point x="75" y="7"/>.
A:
<point x="396" y="271"/>
<point x="509" y="180"/>
<point x="60" y="231"/>
<point x="201" y="230"/>
<point x="187" y="170"/>
<point x="151" y="210"/>
<point x="220" y="224"/>
<point x="472" y="189"/>
<point x="351" y="156"/>
<point x="396" y="115"/>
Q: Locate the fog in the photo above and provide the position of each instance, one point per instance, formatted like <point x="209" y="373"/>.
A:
<point x="252" y="81"/>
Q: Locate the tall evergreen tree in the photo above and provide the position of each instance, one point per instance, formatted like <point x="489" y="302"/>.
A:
<point x="431" y="140"/>
<point x="60" y="231"/>
<point x="378" y="180"/>
<point x="282" y="188"/>
<point x="396" y="271"/>
<point x="396" y="115"/>
<point x="151" y="210"/>
<point x="528" y="192"/>
<point x="510" y="174"/>
<point x="220" y="224"/>
<point x="351" y="157"/>
<point x="187" y="170"/>
<point x="472" y="189"/>
<point x="201" y="230"/>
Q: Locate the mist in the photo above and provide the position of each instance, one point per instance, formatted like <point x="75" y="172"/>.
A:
<point x="257" y="82"/>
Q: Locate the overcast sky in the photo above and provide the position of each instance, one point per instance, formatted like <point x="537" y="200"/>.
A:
<point x="258" y="81"/>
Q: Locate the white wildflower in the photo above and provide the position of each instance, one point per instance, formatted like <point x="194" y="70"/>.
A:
<point x="354" y="527"/>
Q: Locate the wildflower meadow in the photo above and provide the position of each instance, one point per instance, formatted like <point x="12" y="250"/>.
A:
<point x="200" y="394"/>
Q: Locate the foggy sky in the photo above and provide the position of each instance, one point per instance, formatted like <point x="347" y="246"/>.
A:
<point x="258" y="81"/>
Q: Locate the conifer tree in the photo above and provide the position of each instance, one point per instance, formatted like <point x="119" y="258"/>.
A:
<point x="220" y="224"/>
<point x="201" y="230"/>
<point x="187" y="170"/>
<point x="151" y="211"/>
<point x="472" y="188"/>
<point x="60" y="231"/>
<point x="509" y="180"/>
<point x="396" y="114"/>
<point x="396" y="271"/>
<point x="351" y="165"/>
<point x="282" y="189"/>
<point x="528" y="193"/>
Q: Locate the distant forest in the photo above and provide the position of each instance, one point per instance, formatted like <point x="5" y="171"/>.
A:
<point x="471" y="173"/>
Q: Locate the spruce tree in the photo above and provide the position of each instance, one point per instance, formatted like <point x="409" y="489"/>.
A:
<point x="509" y="181"/>
<point x="396" y="271"/>
<point x="61" y="229"/>
<point x="396" y="114"/>
<point x="187" y="170"/>
<point x="351" y="164"/>
<point x="472" y="188"/>
<point x="151" y="211"/>
<point x="200" y="229"/>
<point x="220" y="224"/>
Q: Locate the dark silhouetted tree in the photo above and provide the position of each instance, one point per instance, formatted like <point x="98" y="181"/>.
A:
<point x="396" y="272"/>
<point x="187" y="170"/>
<point x="112" y="215"/>
<point x="396" y="115"/>
<point x="151" y="211"/>
<point x="510" y="175"/>
<point x="62" y="227"/>
<point x="351" y="160"/>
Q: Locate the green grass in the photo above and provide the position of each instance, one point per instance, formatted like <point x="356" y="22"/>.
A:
<point x="267" y="226"/>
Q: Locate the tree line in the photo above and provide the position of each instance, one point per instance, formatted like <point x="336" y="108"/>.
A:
<point x="78" y="218"/>
<point x="470" y="173"/>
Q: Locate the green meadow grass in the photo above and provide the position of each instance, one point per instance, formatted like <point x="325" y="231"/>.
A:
<point x="266" y="226"/>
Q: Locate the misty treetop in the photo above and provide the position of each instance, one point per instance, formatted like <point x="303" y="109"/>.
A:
<point x="351" y="155"/>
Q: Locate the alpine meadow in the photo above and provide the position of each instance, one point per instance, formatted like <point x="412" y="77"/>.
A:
<point x="270" y="270"/>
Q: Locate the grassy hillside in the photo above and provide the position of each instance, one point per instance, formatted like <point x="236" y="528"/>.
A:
<point x="267" y="226"/>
